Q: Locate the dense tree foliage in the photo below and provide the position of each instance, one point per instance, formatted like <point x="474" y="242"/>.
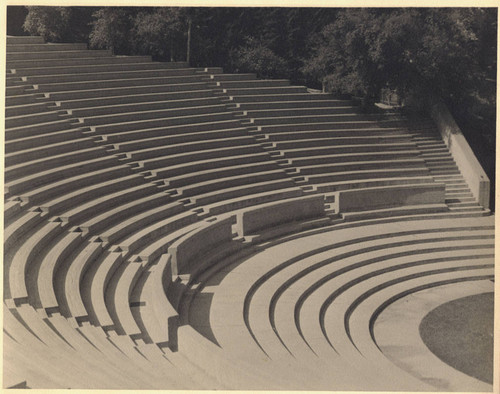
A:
<point x="410" y="50"/>
<point x="59" y="24"/>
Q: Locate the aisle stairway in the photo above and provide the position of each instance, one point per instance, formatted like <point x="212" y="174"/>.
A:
<point x="109" y="160"/>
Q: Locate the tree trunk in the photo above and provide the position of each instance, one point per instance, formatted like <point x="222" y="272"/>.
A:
<point x="171" y="49"/>
<point x="188" y="51"/>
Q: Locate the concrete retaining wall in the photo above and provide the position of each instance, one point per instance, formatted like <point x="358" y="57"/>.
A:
<point x="276" y="213"/>
<point x="355" y="200"/>
<point x="463" y="155"/>
<point x="195" y="244"/>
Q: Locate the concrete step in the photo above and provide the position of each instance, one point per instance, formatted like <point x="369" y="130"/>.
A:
<point x="37" y="128"/>
<point x="113" y="225"/>
<point x="284" y="95"/>
<point x="209" y="70"/>
<point x="225" y="182"/>
<point x="179" y="171"/>
<point x="43" y="55"/>
<point x="457" y="194"/>
<point x="316" y="134"/>
<point x="56" y="174"/>
<point x="337" y="141"/>
<point x="206" y="154"/>
<point x="26" y="109"/>
<point x="193" y="127"/>
<point x="250" y="84"/>
<point x="367" y="174"/>
<point x="52" y="190"/>
<point x="83" y="195"/>
<point x="192" y="178"/>
<point x="367" y="182"/>
<point x="109" y="75"/>
<point x="154" y="239"/>
<point x="19" y="144"/>
<point x="331" y="125"/>
<point x="55" y="261"/>
<point x="279" y="90"/>
<point x="179" y="139"/>
<point x="142" y="106"/>
<point x="124" y="224"/>
<point x="361" y="165"/>
<point x="16" y="40"/>
<point x="161" y="122"/>
<point x="104" y="68"/>
<point x="136" y="115"/>
<point x="299" y="105"/>
<point x="293" y="112"/>
<point x="112" y="83"/>
<point x="468" y="209"/>
<point x="15" y="91"/>
<point x="394" y="212"/>
<point x="229" y="77"/>
<point x="353" y="157"/>
<point x="19" y="228"/>
<point x="358" y="148"/>
<point x="147" y="194"/>
<point x="19" y="65"/>
<point x="462" y="203"/>
<point x="25" y="120"/>
<point x="24" y="47"/>
<point x="70" y="280"/>
<point x="15" y="80"/>
<point x="126" y="91"/>
<point x="240" y="191"/>
<point x="132" y="99"/>
<point x="22" y="270"/>
<point x="335" y="118"/>
<point x="21" y="100"/>
<point x="233" y="204"/>
<point x="196" y="146"/>
<point x="38" y="162"/>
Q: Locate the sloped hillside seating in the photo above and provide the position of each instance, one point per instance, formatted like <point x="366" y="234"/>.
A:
<point x="194" y="247"/>
<point x="254" y="219"/>
<point x="390" y="196"/>
<point x="467" y="162"/>
<point x="138" y="198"/>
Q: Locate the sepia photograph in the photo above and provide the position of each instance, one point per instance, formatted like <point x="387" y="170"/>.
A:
<point x="249" y="197"/>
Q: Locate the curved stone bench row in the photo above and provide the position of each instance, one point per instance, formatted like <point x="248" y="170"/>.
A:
<point x="110" y="75"/>
<point x="83" y="84"/>
<point x="91" y="68"/>
<point x="151" y="102"/>
<point x="57" y="54"/>
<point x="19" y="65"/>
<point x="465" y="237"/>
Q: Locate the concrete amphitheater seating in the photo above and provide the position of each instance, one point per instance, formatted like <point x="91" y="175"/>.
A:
<point x="171" y="227"/>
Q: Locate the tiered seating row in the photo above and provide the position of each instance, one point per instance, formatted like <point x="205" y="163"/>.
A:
<point x="300" y="128"/>
<point x="331" y="293"/>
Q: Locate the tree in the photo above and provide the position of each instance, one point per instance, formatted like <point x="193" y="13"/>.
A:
<point x="257" y="57"/>
<point x="111" y="29"/>
<point x="158" y="32"/>
<point x="59" y="24"/>
<point x="406" y="49"/>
